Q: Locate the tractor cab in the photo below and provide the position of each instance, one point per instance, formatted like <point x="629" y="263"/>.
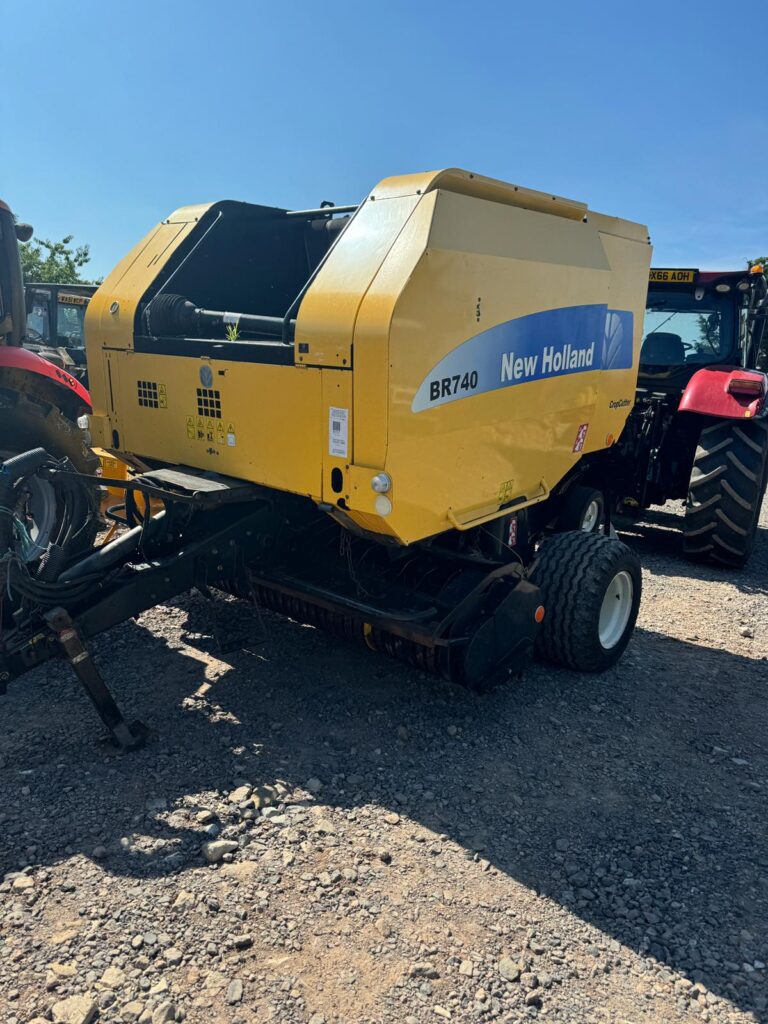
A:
<point x="698" y="318"/>
<point x="56" y="323"/>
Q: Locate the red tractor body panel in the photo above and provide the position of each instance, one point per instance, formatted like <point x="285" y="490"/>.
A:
<point x="14" y="358"/>
<point x="729" y="392"/>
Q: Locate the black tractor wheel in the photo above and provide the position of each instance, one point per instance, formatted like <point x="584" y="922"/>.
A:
<point x="725" y="492"/>
<point x="27" y="424"/>
<point x="582" y="508"/>
<point x="591" y="587"/>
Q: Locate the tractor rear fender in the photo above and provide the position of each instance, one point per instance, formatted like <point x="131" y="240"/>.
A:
<point x="22" y="368"/>
<point x="727" y="392"/>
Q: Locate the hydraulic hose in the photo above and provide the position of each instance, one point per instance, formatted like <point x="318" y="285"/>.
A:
<point x="11" y="471"/>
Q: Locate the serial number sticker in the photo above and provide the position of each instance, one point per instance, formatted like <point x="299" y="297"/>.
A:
<point x="338" y="432"/>
<point x="671" y="276"/>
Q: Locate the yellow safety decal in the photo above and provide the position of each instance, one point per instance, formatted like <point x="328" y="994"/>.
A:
<point x="506" y="491"/>
<point x="211" y="431"/>
<point x="162" y="396"/>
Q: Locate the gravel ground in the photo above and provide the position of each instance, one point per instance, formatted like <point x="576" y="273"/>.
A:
<point x="316" y="834"/>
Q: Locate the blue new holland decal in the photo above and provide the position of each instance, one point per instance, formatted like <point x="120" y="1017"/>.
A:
<point x="573" y="339"/>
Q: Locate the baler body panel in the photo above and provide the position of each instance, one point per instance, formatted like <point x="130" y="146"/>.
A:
<point x="472" y="340"/>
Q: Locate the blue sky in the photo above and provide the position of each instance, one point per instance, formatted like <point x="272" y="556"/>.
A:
<point x="119" y="112"/>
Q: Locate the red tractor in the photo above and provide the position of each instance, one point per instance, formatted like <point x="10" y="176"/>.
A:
<point x="40" y="405"/>
<point x="699" y="427"/>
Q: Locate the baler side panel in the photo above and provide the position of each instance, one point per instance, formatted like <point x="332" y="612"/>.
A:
<point x="485" y="265"/>
<point x="110" y="317"/>
<point x="372" y="342"/>
<point x="630" y="260"/>
<point x="326" y="319"/>
<point x="269" y="430"/>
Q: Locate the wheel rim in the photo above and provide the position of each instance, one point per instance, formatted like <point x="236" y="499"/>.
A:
<point x="591" y="516"/>
<point x="42" y="510"/>
<point x="615" y="610"/>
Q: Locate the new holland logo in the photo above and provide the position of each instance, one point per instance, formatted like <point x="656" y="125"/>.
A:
<point x="556" y="342"/>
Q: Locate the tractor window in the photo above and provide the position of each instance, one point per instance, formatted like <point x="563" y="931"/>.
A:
<point x="38" y="326"/>
<point x="70" y="325"/>
<point x="683" y="331"/>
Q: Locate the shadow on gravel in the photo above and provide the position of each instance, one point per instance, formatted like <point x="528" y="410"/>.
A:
<point x="658" y="541"/>
<point x="634" y="799"/>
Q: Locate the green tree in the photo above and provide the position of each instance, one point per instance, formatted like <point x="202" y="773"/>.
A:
<point x="55" y="262"/>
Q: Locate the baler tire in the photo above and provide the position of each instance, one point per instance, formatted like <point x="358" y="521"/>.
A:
<point x="576" y="571"/>
<point x="725" y="492"/>
<point x="27" y="424"/>
<point x="578" y="503"/>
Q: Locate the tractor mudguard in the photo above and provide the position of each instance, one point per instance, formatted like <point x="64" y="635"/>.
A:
<point x="13" y="358"/>
<point x="728" y="392"/>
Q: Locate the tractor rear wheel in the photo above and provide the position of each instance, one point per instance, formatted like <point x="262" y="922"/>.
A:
<point x="27" y="424"/>
<point x="725" y="492"/>
<point x="591" y="587"/>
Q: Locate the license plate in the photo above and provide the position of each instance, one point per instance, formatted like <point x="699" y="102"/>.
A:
<point x="659" y="276"/>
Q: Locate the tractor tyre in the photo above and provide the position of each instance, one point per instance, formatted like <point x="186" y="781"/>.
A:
<point x="725" y="492"/>
<point x="26" y="424"/>
<point x="591" y="586"/>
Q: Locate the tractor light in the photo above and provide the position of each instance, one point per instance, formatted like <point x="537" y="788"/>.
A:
<point x="752" y="386"/>
<point x="381" y="483"/>
<point x="743" y="286"/>
<point x="383" y="505"/>
<point x="84" y="423"/>
<point x="722" y="287"/>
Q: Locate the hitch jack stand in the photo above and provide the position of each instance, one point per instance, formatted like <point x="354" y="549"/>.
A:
<point x="126" y="736"/>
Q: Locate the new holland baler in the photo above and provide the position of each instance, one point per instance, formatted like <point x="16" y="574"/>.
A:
<point x="374" y="419"/>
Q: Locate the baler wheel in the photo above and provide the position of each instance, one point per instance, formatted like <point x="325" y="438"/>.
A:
<point x="583" y="508"/>
<point x="725" y="492"/>
<point x="591" y="586"/>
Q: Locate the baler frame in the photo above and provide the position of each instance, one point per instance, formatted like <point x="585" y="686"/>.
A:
<point x="431" y="636"/>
